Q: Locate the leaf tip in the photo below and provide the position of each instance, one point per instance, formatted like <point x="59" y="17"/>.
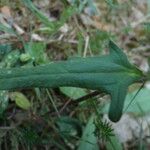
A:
<point x="114" y="117"/>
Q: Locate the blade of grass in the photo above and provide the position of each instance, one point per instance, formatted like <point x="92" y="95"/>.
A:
<point x="134" y="97"/>
<point x="52" y="26"/>
<point x="53" y="103"/>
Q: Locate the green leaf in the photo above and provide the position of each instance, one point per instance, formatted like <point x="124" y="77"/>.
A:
<point x="142" y="100"/>
<point x="11" y="58"/>
<point x="20" y="100"/>
<point x="73" y="92"/>
<point x="114" y="144"/>
<point x="38" y="13"/>
<point x="69" y="127"/>
<point x="3" y="101"/>
<point x="35" y="51"/>
<point x="7" y="29"/>
<point x="112" y="3"/>
<point x="98" y="39"/>
<point x="111" y="74"/>
<point x="5" y="48"/>
<point x="89" y="140"/>
<point x="25" y="57"/>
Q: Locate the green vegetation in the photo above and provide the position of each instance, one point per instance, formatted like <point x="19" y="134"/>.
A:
<point x="111" y="74"/>
<point x="61" y="72"/>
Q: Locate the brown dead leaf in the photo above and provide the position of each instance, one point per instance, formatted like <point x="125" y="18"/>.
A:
<point x="18" y="29"/>
<point x="6" y="11"/>
<point x="101" y="25"/>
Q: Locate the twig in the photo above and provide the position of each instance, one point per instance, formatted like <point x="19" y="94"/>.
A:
<point x="86" y="46"/>
<point x="51" y="99"/>
<point x="81" y="99"/>
<point x="90" y="95"/>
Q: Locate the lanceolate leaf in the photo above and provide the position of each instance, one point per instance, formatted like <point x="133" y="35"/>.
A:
<point x="109" y="73"/>
<point x="89" y="140"/>
<point x="20" y="100"/>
